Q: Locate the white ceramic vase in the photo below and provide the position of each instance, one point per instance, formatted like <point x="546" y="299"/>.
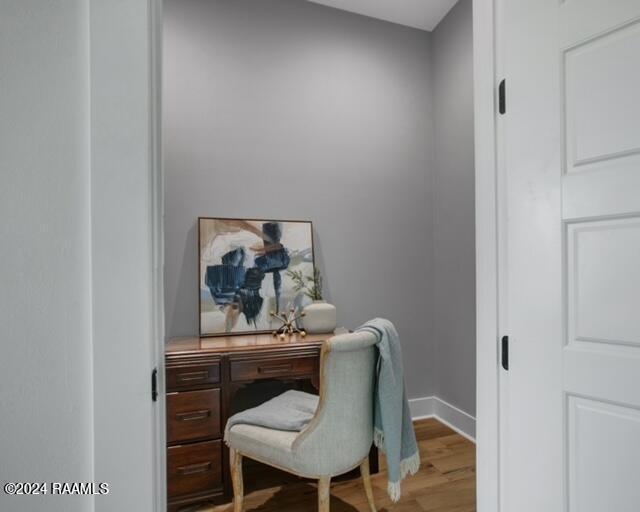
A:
<point x="319" y="317"/>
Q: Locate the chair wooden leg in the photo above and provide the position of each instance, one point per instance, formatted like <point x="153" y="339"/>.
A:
<point x="235" y="459"/>
<point x="324" y="495"/>
<point x="366" y="480"/>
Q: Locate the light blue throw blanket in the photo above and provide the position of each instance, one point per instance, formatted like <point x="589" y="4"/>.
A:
<point x="292" y="410"/>
<point x="393" y="427"/>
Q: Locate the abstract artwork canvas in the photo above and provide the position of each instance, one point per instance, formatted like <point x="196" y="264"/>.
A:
<point x="243" y="272"/>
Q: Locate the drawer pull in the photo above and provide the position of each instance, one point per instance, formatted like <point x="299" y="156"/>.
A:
<point x="193" y="469"/>
<point x="193" y="416"/>
<point x="193" y="376"/>
<point x="267" y="370"/>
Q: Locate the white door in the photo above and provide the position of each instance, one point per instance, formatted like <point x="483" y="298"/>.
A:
<point x="570" y="146"/>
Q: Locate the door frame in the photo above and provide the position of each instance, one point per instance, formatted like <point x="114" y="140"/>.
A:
<point x="488" y="252"/>
<point x="145" y="20"/>
<point x="157" y="237"/>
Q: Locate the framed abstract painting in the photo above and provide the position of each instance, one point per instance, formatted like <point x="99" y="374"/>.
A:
<point x="243" y="272"/>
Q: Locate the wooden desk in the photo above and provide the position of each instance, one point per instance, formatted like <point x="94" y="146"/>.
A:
<point x="210" y="379"/>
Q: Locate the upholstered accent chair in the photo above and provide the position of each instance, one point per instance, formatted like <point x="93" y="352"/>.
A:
<point x="339" y="436"/>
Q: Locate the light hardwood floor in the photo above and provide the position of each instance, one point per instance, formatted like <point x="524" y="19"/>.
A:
<point x="446" y="482"/>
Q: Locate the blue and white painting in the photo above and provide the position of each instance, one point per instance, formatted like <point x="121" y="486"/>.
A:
<point x="243" y="272"/>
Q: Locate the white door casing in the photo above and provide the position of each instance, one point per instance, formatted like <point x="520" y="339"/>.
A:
<point x="571" y="146"/>
<point x="487" y="384"/>
<point x="127" y="253"/>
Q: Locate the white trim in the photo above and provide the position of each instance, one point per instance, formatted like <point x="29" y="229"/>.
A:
<point x="457" y="419"/>
<point x="487" y="253"/>
<point x="127" y="310"/>
<point x="157" y="223"/>
<point x="421" y="408"/>
<point x="434" y="407"/>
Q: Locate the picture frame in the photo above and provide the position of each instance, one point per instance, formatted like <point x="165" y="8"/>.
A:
<point x="242" y="272"/>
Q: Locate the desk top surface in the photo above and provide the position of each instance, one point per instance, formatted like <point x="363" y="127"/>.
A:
<point x="223" y="344"/>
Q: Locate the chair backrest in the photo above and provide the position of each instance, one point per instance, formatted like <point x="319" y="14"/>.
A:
<point x="340" y="435"/>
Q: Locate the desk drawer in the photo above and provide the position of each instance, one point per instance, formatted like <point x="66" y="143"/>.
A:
<point x="193" y="415"/>
<point x="194" y="468"/>
<point x="270" y="368"/>
<point x="193" y="376"/>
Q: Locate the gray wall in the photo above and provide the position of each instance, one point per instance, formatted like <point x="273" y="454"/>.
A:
<point x="454" y="232"/>
<point x="288" y="109"/>
<point x="46" y="422"/>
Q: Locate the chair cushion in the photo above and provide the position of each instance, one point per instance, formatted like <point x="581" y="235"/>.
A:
<point x="264" y="444"/>
<point x="291" y="411"/>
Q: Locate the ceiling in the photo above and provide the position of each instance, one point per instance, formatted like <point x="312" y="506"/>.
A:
<point x="422" y="14"/>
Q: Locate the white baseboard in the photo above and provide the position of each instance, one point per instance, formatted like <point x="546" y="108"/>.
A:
<point x="434" y="407"/>
<point x="422" y="408"/>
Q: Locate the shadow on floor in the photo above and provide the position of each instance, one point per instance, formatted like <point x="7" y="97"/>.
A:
<point x="303" y="498"/>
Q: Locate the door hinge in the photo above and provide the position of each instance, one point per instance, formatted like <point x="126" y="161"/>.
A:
<point x="502" y="97"/>
<point x="505" y="352"/>
<point x="154" y="385"/>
